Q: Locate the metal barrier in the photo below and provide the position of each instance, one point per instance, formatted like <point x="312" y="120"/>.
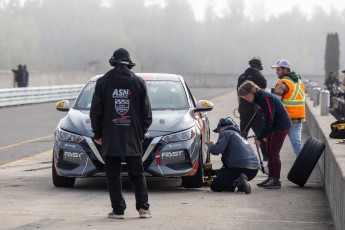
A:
<point x="31" y="95"/>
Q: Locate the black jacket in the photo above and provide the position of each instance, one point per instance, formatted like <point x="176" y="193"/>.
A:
<point x="254" y="75"/>
<point x="275" y="115"/>
<point x="120" y="112"/>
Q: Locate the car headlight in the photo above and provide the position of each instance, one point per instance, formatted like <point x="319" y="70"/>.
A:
<point x="181" y="136"/>
<point x="67" y="136"/>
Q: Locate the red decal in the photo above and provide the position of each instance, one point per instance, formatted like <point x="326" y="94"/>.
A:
<point x="194" y="169"/>
<point x="147" y="77"/>
<point x="158" y="158"/>
<point x="123" y="118"/>
<point x="269" y="108"/>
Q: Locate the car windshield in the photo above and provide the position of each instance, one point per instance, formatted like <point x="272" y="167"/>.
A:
<point x="84" y="100"/>
<point x="164" y="95"/>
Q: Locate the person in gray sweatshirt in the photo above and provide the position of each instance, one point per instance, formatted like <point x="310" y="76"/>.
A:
<point x="240" y="161"/>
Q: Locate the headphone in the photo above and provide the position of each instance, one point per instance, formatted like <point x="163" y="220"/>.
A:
<point x="253" y="63"/>
<point x="114" y="62"/>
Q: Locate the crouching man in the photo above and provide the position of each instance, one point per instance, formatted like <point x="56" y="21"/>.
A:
<point x="240" y="162"/>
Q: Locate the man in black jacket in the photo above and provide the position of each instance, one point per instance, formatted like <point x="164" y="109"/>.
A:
<point x="120" y="116"/>
<point x="246" y="109"/>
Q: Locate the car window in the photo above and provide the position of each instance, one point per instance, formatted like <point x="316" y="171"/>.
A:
<point x="166" y="95"/>
<point x="190" y="96"/>
<point x="84" y="100"/>
<point x="163" y="95"/>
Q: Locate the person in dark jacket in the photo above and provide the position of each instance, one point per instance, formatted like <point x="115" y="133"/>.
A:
<point x="26" y="76"/>
<point x="19" y="76"/>
<point x="246" y="109"/>
<point x="120" y="116"/>
<point x="276" y="126"/>
<point x="240" y="162"/>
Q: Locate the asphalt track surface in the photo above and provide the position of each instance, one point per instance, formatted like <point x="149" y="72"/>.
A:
<point x="28" y="199"/>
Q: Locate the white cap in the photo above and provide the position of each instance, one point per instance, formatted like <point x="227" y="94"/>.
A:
<point x="283" y="63"/>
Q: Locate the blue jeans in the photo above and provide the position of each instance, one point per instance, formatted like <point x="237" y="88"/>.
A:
<point x="295" y="137"/>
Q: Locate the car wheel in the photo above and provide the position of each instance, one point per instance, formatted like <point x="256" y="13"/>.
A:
<point x="195" y="181"/>
<point x="306" y="161"/>
<point x="61" y="181"/>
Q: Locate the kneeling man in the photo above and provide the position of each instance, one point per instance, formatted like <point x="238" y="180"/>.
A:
<point x="240" y="162"/>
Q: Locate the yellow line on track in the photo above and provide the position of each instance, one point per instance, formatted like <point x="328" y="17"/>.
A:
<point x="25" y="159"/>
<point x="25" y="142"/>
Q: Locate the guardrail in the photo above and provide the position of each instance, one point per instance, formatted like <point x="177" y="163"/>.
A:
<point x="30" y="95"/>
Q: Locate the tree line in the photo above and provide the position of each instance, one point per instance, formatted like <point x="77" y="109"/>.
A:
<point x="82" y="34"/>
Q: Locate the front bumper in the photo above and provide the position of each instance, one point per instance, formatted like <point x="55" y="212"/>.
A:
<point x="159" y="159"/>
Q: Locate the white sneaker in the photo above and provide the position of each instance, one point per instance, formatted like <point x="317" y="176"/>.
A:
<point x="144" y="213"/>
<point x="115" y="216"/>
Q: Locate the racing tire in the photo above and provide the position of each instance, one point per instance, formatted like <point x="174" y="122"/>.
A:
<point x="61" y="181"/>
<point x="195" y="181"/>
<point x="306" y="161"/>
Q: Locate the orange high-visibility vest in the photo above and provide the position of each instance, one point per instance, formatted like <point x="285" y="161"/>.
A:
<point x="294" y="99"/>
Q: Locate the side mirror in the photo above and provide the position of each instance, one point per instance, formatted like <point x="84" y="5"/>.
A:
<point x="203" y="106"/>
<point x="63" y="106"/>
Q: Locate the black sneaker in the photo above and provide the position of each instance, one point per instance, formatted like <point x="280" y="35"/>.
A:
<point x="243" y="185"/>
<point x="273" y="184"/>
<point x="261" y="184"/>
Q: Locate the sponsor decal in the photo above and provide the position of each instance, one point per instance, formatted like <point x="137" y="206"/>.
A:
<point x="174" y="145"/>
<point x="60" y="104"/>
<point x="122" y="101"/>
<point x="67" y="155"/>
<point x="172" y="155"/>
<point x="122" y="106"/>
<point x="121" y="93"/>
<point x="70" y="145"/>
<point x="123" y="120"/>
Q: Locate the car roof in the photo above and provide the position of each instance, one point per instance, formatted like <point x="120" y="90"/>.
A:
<point x="151" y="77"/>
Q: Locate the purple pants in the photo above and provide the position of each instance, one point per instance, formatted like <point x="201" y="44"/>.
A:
<point x="275" y="141"/>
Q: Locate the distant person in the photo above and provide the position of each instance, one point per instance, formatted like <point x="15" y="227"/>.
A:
<point x="26" y="76"/>
<point x="332" y="82"/>
<point x="18" y="77"/>
<point x="246" y="109"/>
<point x="120" y="116"/>
<point x="240" y="162"/>
<point x="276" y="127"/>
<point x="290" y="89"/>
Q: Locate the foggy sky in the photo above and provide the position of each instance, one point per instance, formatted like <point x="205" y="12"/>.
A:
<point x="68" y="34"/>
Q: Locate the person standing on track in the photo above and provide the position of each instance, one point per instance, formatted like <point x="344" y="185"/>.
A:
<point x="120" y="116"/>
<point x="276" y="126"/>
<point x="290" y="89"/>
<point x="246" y="109"/>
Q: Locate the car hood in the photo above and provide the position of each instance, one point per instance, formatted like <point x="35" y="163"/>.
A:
<point x="163" y="122"/>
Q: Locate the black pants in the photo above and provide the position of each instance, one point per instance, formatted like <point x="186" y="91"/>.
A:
<point x="114" y="180"/>
<point x="227" y="178"/>
<point x="257" y="126"/>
